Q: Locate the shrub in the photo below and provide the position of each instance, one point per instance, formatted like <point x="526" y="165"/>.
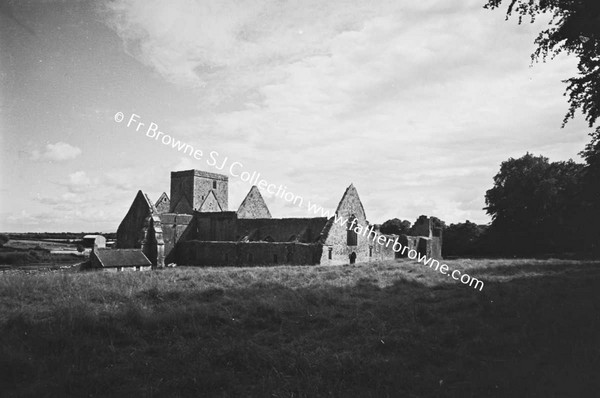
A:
<point x="4" y="238"/>
<point x="16" y="258"/>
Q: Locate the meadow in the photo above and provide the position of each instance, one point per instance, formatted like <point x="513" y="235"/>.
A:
<point x="387" y="329"/>
<point x="42" y="254"/>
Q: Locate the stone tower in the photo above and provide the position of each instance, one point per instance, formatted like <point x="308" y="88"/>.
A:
<point x="190" y="188"/>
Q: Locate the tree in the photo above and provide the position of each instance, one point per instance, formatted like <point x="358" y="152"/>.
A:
<point x="535" y="205"/>
<point x="574" y="29"/>
<point x="463" y="239"/>
<point x="4" y="238"/>
<point x="395" y="226"/>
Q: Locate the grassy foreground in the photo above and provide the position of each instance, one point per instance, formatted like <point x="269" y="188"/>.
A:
<point x="389" y="329"/>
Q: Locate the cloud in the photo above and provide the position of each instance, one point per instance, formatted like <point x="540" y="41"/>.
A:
<point x="78" y="182"/>
<point x="231" y="47"/>
<point x="58" y="152"/>
<point x="67" y="198"/>
<point x="186" y="163"/>
<point x="25" y="218"/>
<point x="417" y="103"/>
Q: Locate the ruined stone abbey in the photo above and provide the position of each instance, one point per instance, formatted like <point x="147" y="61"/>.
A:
<point x="195" y="227"/>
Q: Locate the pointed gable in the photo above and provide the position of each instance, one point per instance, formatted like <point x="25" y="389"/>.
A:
<point x="348" y="208"/>
<point x="253" y="206"/>
<point x="210" y="204"/>
<point x="162" y="204"/>
<point x="350" y="204"/>
<point x="128" y="233"/>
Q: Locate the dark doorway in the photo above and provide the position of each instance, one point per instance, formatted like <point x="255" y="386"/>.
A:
<point x="422" y="246"/>
<point x="352" y="258"/>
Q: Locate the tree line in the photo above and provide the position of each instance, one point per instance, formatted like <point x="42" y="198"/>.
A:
<point x="537" y="207"/>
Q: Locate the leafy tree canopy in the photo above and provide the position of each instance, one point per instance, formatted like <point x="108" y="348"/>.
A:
<point x="529" y="187"/>
<point x="573" y="29"/>
<point x="395" y="226"/>
<point x="535" y="199"/>
<point x="463" y="239"/>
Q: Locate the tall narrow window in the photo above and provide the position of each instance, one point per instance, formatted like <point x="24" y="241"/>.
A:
<point x="214" y="185"/>
<point x="351" y="236"/>
<point x="330" y="254"/>
<point x="370" y="251"/>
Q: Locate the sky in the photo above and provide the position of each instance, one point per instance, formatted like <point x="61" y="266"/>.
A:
<point x="415" y="103"/>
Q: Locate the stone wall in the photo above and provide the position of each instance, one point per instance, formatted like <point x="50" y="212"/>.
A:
<point x="306" y="230"/>
<point x="130" y="231"/>
<point x="421" y="227"/>
<point x="126" y="269"/>
<point x="435" y="249"/>
<point x="220" y="226"/>
<point x="430" y="247"/>
<point x="173" y="227"/>
<point x="247" y="253"/>
<point x="336" y="249"/>
<point x="250" y="235"/>
<point x="412" y="243"/>
<point x="382" y="252"/>
<point x="210" y="204"/>
<point x="163" y="204"/>
<point x="153" y="245"/>
<point x="253" y="205"/>
<point x="190" y="188"/>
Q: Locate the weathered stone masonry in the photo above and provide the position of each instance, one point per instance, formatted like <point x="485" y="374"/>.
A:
<point x="194" y="227"/>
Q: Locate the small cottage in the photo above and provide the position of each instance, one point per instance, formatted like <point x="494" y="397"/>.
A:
<point x="116" y="260"/>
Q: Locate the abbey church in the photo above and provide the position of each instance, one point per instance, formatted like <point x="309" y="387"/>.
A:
<point x="195" y="227"/>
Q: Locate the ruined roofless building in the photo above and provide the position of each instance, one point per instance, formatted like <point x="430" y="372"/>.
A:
<point x="195" y="227"/>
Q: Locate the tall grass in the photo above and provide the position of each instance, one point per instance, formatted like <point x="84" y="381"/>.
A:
<point x="388" y="329"/>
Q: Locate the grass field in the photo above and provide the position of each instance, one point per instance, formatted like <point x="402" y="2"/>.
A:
<point x="389" y="329"/>
<point x="32" y="254"/>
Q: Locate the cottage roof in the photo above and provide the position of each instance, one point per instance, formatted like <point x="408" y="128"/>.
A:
<point x="121" y="258"/>
<point x="92" y="236"/>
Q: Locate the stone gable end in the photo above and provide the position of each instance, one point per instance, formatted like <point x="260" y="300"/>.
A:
<point x="254" y="206"/>
<point x="210" y="204"/>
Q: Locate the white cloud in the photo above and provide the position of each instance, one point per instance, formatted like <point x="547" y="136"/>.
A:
<point x="58" y="152"/>
<point x="67" y="198"/>
<point x="417" y="103"/>
<point x="24" y="217"/>
<point x="78" y="182"/>
<point x="186" y="163"/>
